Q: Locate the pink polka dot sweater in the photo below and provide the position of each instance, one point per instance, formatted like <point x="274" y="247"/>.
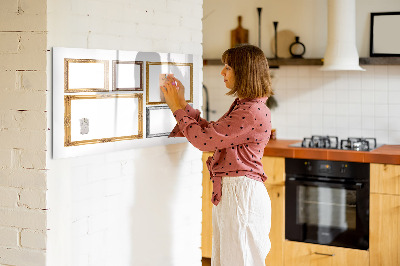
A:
<point x="238" y="139"/>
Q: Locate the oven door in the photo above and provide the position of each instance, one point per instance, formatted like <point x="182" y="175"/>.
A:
<point x="327" y="213"/>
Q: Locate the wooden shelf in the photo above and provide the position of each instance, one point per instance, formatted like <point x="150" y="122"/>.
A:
<point x="274" y="63"/>
<point x="380" y="61"/>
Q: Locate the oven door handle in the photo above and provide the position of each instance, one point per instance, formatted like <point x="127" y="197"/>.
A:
<point x="357" y="185"/>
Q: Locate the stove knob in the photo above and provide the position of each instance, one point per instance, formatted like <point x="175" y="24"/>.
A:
<point x="308" y="166"/>
<point x="343" y="168"/>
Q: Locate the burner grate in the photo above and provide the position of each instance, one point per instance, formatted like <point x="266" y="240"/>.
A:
<point x="358" y="144"/>
<point x="327" y="142"/>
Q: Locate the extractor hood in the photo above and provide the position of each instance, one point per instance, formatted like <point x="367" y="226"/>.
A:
<point x="341" y="51"/>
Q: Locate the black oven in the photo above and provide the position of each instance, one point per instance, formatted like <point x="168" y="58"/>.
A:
<point x="327" y="202"/>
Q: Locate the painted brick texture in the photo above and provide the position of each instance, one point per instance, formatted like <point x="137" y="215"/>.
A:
<point x="23" y="218"/>
<point x="134" y="207"/>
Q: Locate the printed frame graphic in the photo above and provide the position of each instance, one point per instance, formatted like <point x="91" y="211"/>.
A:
<point x="67" y="61"/>
<point x="114" y="84"/>
<point x="67" y="118"/>
<point x="148" y="64"/>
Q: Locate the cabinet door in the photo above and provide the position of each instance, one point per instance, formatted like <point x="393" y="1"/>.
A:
<point x="384" y="230"/>
<point x="274" y="168"/>
<point x="277" y="233"/>
<point x="206" y="226"/>
<point x="385" y="178"/>
<point x="304" y="254"/>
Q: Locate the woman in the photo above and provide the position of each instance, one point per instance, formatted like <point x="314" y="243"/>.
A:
<point x="242" y="208"/>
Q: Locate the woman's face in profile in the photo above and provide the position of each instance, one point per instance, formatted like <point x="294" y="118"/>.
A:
<point x="229" y="76"/>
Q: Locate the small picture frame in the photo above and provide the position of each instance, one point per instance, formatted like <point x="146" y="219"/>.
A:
<point x="384" y="36"/>
<point x="85" y="75"/>
<point x="181" y="71"/>
<point x="127" y="75"/>
<point x="159" y="121"/>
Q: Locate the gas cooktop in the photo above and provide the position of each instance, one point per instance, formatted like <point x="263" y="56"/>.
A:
<point x="332" y="142"/>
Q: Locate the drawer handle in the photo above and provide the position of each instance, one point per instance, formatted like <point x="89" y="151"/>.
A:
<point x="325" y="254"/>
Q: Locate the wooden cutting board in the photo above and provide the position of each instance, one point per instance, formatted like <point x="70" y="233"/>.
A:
<point x="239" y="35"/>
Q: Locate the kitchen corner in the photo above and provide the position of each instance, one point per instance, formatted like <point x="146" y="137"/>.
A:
<point x="382" y="212"/>
<point x="386" y="154"/>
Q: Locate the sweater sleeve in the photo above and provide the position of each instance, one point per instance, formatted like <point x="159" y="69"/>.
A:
<point x="231" y="130"/>
<point x="193" y="113"/>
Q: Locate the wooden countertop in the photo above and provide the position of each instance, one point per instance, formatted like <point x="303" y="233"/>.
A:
<point x="389" y="154"/>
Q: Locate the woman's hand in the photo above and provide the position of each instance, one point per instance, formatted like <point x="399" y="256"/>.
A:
<point x="181" y="91"/>
<point x="172" y="95"/>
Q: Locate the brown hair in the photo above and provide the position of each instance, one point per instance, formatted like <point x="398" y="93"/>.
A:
<point x="250" y="66"/>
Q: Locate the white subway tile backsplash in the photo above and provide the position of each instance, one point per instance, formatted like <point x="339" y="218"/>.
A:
<point x="316" y="82"/>
<point x="394" y="110"/>
<point x="394" y="137"/>
<point x="329" y="94"/>
<point x="381" y="136"/>
<point x="304" y="72"/>
<point x="367" y="110"/>
<point x="355" y="103"/>
<point x="381" y="84"/>
<point x="342" y="81"/>
<point x="367" y="96"/>
<point x="394" y="97"/>
<point x="394" y="83"/>
<point x="342" y="96"/>
<point x="303" y="82"/>
<point x="381" y="97"/>
<point x="355" y="132"/>
<point x="394" y="123"/>
<point x="368" y="122"/>
<point x="393" y="71"/>
<point x="381" y="110"/>
<point x="382" y="123"/>
<point x="329" y="109"/>
<point x="329" y="123"/>
<point x="367" y="133"/>
<point x="380" y="71"/>
<point x="355" y="122"/>
<point x="291" y="71"/>
<point x="354" y="81"/>
<point x="292" y="83"/>
<point x="355" y="109"/>
<point x="342" y="109"/>
<point x="342" y="122"/>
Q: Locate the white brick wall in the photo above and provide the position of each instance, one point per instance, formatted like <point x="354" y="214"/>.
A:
<point x="134" y="207"/>
<point x="23" y="128"/>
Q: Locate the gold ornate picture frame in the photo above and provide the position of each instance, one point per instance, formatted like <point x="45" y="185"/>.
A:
<point x="67" y="118"/>
<point x="156" y="89"/>
<point x="92" y="75"/>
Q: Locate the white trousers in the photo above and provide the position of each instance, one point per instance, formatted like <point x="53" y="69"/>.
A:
<point x="241" y="223"/>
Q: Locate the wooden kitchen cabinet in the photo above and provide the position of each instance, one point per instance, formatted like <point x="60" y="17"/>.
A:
<point x="277" y="233"/>
<point x="385" y="178"/>
<point x="274" y="168"/>
<point x="305" y="254"/>
<point x="206" y="225"/>
<point x="384" y="236"/>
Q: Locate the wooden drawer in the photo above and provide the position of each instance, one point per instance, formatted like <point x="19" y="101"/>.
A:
<point x="304" y="254"/>
<point x="274" y="168"/>
<point x="384" y="235"/>
<point x="385" y="178"/>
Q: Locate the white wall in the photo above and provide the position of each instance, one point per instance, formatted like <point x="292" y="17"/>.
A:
<point x="23" y="133"/>
<point x="134" y="207"/>
<point x="311" y="102"/>
<point x="305" y="18"/>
